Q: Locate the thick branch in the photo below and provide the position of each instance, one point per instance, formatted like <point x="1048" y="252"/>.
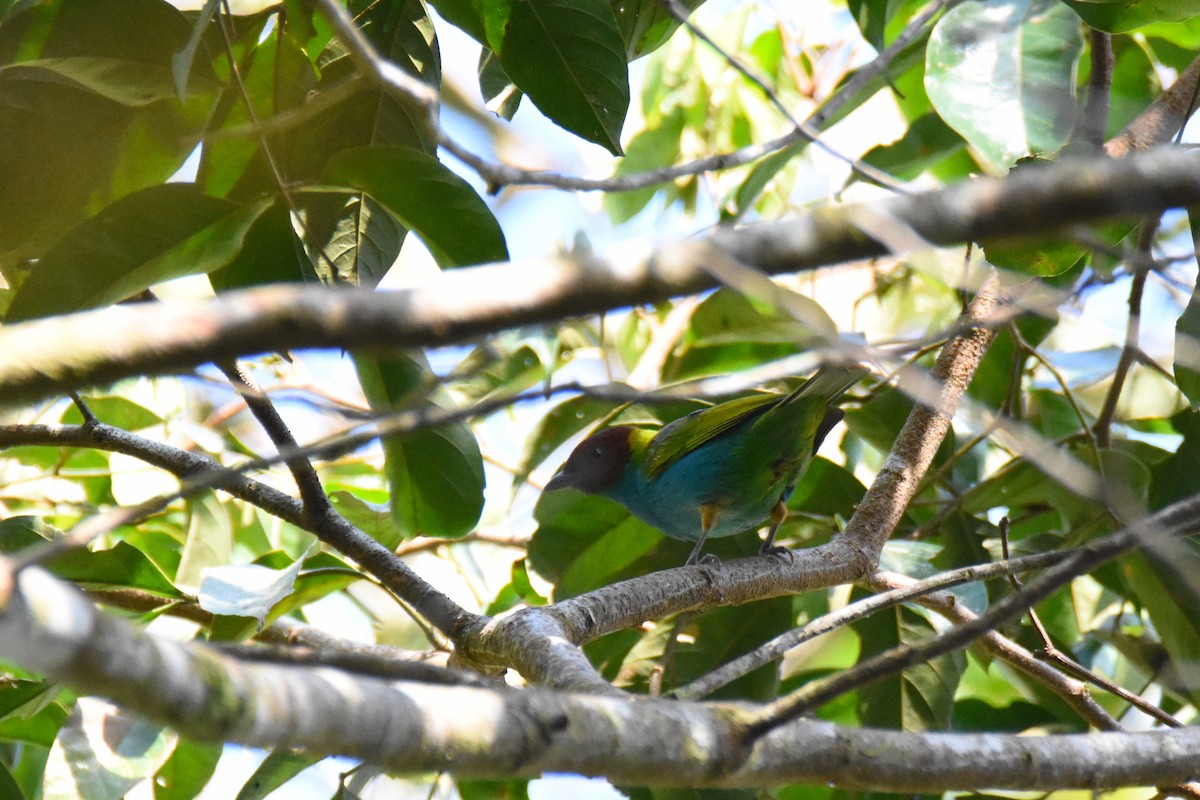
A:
<point x="406" y="726"/>
<point x="926" y="426"/>
<point x="50" y="356"/>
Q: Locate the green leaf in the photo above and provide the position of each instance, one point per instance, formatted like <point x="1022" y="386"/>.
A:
<point x="1187" y="343"/>
<point x="279" y="767"/>
<point x="827" y="488"/>
<point x="492" y="790"/>
<point x="927" y="142"/>
<point x="1121" y="16"/>
<point x="121" y="567"/>
<point x="500" y="94"/>
<point x="40" y="729"/>
<point x="655" y="147"/>
<point x="584" y="542"/>
<point x="722" y="634"/>
<point x="1001" y="73"/>
<point x="435" y="474"/>
<point x="1165" y="587"/>
<point x="100" y="119"/>
<point x="882" y="20"/>
<point x="921" y="698"/>
<point x="427" y="198"/>
<point x="271" y="252"/>
<point x="569" y="58"/>
<point x="113" y="410"/>
<point x="181" y="62"/>
<point x="187" y="771"/>
<point x="359" y="239"/>
<point x="376" y="523"/>
<point x="647" y="25"/>
<point x="8" y="784"/>
<point x="150" y="236"/>
<point x="125" y="82"/>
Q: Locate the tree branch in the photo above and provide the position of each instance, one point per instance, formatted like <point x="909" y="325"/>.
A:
<point x="407" y="726"/>
<point x="332" y="529"/>
<point x="101" y="346"/>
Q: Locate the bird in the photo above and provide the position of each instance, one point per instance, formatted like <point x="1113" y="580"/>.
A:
<point x="718" y="471"/>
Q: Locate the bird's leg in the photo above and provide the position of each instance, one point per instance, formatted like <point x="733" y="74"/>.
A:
<point x="708" y="520"/>
<point x="778" y="514"/>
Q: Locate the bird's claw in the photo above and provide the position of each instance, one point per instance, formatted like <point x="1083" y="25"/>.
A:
<point x="778" y="550"/>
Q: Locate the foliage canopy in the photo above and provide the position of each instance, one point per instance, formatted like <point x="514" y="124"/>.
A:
<point x="150" y="152"/>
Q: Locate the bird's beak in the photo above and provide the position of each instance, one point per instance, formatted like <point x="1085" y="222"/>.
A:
<point x="561" y="480"/>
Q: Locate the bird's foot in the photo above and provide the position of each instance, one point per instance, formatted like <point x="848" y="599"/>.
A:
<point x="706" y="560"/>
<point x="777" y="550"/>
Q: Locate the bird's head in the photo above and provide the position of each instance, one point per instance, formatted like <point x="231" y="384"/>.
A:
<point x="598" y="463"/>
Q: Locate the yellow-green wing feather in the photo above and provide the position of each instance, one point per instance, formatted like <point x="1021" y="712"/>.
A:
<point x="686" y="434"/>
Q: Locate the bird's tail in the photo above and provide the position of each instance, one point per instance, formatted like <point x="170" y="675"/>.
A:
<point x="830" y="383"/>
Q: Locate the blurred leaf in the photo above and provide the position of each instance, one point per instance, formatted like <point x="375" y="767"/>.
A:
<point x="723" y="634"/>
<point x="103" y="751"/>
<point x="492" y="790"/>
<point x="271" y="252"/>
<point x="653" y="148"/>
<point x="377" y="523"/>
<point x="1119" y="16"/>
<point x="569" y="58"/>
<point x="1165" y="585"/>
<point x="150" y="236"/>
<point x="114" y="410"/>
<point x="500" y="94"/>
<point x="279" y="767"/>
<point x="828" y="489"/>
<point x="127" y="83"/>
<point x="729" y="332"/>
<point x="187" y="771"/>
<point x="120" y="567"/>
<point x="881" y="20"/>
<point x="429" y="199"/>
<point x="435" y="474"/>
<point x="1187" y="349"/>
<point x="8" y="784"/>
<point x="646" y="25"/>
<point x="181" y="62"/>
<point x="463" y="15"/>
<point x="928" y="141"/>
<point x="88" y="112"/>
<point x="1001" y="74"/>
<point x="40" y="729"/>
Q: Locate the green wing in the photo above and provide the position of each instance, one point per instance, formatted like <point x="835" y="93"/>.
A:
<point x="684" y="435"/>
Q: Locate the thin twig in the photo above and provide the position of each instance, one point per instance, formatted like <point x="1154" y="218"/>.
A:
<point x="807" y="129"/>
<point x="777" y="647"/>
<point x="1069" y="665"/>
<point x="312" y="493"/>
<point x="1141" y="268"/>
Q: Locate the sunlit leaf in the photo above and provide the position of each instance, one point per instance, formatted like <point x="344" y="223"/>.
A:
<point x="1000" y="73"/>
<point x="1119" y="16"/>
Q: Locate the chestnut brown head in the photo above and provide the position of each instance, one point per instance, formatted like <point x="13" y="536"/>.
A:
<point x="597" y="463"/>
